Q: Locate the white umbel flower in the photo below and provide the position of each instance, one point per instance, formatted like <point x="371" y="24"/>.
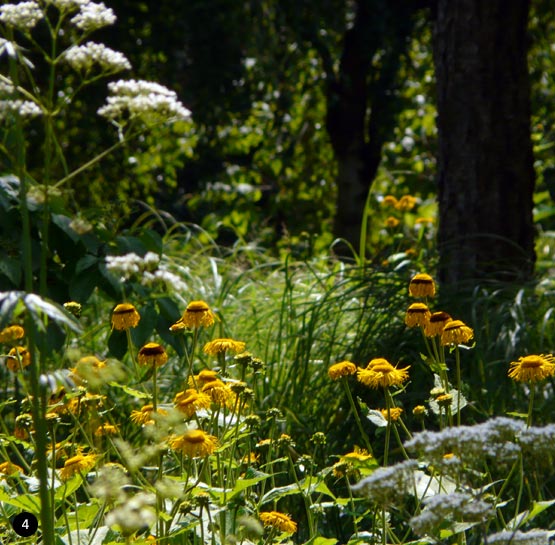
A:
<point x="84" y="57"/>
<point x="23" y="16"/>
<point x="516" y="537"/>
<point x="142" y="99"/>
<point x="25" y="108"/>
<point x="67" y="5"/>
<point x="93" y="15"/>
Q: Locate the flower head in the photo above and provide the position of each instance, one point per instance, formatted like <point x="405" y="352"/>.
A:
<point x="280" y="521"/>
<point x="436" y="323"/>
<point x="380" y="373"/>
<point x="11" y="333"/>
<point x="144" y="414"/>
<point x="84" y="57"/>
<point x="219" y="346"/>
<point x="106" y="429"/>
<point x="125" y="316"/>
<point x="342" y="369"/>
<point x="532" y="368"/>
<point x="23" y="15"/>
<point x="152" y="354"/>
<point x="389" y="200"/>
<point x="8" y="468"/>
<point x="80" y="463"/>
<point x="93" y="15"/>
<point x="394" y="413"/>
<point x="18" y="358"/>
<point x="422" y="285"/>
<point x="406" y="203"/>
<point x="197" y="314"/>
<point x="190" y="401"/>
<point x="456" y="332"/>
<point x="194" y="443"/>
<point x="392" y="222"/>
<point x="417" y="314"/>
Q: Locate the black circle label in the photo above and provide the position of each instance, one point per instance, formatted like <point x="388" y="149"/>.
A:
<point x="25" y="524"/>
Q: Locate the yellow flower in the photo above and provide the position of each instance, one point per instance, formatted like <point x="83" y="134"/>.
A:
<point x="342" y="369"/>
<point x="7" y="468"/>
<point x="358" y="454"/>
<point x="11" y="333"/>
<point x="406" y="203"/>
<point x="74" y="308"/>
<point x="382" y="374"/>
<point x="144" y="414"/>
<point x="418" y="314"/>
<point x="152" y="354"/>
<point x="217" y="346"/>
<point x="389" y="200"/>
<point x="125" y="316"/>
<point x="392" y="222"/>
<point x="422" y="285"/>
<point x="394" y="413"/>
<point x="277" y="520"/>
<point x="190" y="401"/>
<point x="456" y="332"/>
<point x="87" y="368"/>
<point x="419" y="411"/>
<point x="17" y="358"/>
<point x="194" y="443"/>
<point x="219" y="392"/>
<point x="78" y="464"/>
<point x="197" y="314"/>
<point x="436" y="323"/>
<point x="106" y="429"/>
<point x="205" y="376"/>
<point x="532" y="368"/>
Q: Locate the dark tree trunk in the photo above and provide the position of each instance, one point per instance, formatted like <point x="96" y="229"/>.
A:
<point x="362" y="104"/>
<point x="485" y="164"/>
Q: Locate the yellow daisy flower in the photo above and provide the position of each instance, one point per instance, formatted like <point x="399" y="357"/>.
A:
<point x="81" y="463"/>
<point x="532" y="368"/>
<point x="358" y="454"/>
<point x="389" y="200"/>
<point x="219" y="392"/>
<point x="144" y="414"/>
<point x="382" y="374"/>
<point x="436" y="323"/>
<point x="422" y="285"/>
<point x="18" y="358"/>
<point x="11" y="333"/>
<point x="194" y="443"/>
<point x="152" y="354"/>
<point x="406" y="203"/>
<point x="391" y="222"/>
<point x="106" y="429"/>
<point x="190" y="401"/>
<point x="394" y="413"/>
<point x="8" y="468"/>
<point x="418" y="315"/>
<point x="456" y="332"/>
<point x="217" y="346"/>
<point x="342" y="369"/>
<point x="197" y="314"/>
<point x="280" y="521"/>
<point x="125" y="316"/>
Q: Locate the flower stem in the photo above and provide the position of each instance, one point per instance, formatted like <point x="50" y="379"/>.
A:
<point x="356" y="415"/>
<point x="531" y="405"/>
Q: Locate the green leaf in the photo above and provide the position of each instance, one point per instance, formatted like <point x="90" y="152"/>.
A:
<point x="26" y="502"/>
<point x="526" y="516"/>
<point x="68" y="488"/>
<point x="130" y="391"/>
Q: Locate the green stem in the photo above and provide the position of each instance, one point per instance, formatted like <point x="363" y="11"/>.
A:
<point x="531" y="405"/>
<point x="356" y="415"/>
<point x="458" y="370"/>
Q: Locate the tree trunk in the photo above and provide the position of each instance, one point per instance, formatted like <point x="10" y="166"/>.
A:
<point x="485" y="164"/>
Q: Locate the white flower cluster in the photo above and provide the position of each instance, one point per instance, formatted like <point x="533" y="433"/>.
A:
<point x="456" y="506"/>
<point x="93" y="15"/>
<point x="538" y="441"/>
<point x="25" y="108"/>
<point x="84" y="57"/>
<point x="67" y="5"/>
<point x="132" y="264"/>
<point x="23" y="16"/>
<point x="387" y="485"/>
<point x="135" y="514"/>
<point x="6" y="88"/>
<point x="142" y="99"/>
<point x="516" y="537"/>
<point x="495" y="438"/>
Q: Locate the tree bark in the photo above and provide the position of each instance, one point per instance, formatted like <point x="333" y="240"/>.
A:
<point x="485" y="164"/>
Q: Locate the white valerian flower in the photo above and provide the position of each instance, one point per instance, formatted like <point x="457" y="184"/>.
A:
<point x="496" y="438"/>
<point x="389" y="484"/>
<point x="516" y="537"/>
<point x="25" y="108"/>
<point x="93" y="15"/>
<point x="67" y="5"/>
<point x="6" y="88"/>
<point x="453" y="507"/>
<point x="23" y="16"/>
<point x="135" y="514"/>
<point x="142" y="99"/>
<point x="84" y="57"/>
